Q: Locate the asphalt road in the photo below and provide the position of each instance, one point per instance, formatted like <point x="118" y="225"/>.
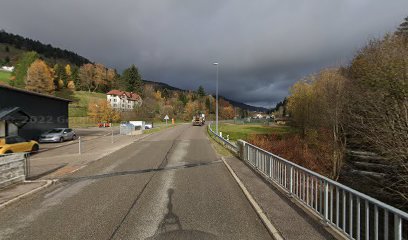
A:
<point x="170" y="185"/>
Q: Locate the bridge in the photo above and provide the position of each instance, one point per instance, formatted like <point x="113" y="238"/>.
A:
<point x="173" y="184"/>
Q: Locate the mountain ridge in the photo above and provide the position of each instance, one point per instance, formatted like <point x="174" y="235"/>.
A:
<point x="13" y="45"/>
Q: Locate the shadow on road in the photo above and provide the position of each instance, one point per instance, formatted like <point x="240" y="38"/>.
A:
<point x="170" y="227"/>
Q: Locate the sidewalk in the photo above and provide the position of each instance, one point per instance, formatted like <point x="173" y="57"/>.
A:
<point x="289" y="219"/>
<point x="60" y="161"/>
<point x="11" y="193"/>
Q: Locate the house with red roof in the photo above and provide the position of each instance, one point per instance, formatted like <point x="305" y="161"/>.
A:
<point x="123" y="101"/>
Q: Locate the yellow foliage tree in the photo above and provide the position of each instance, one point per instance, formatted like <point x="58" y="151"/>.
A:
<point x="60" y="84"/>
<point x="101" y="111"/>
<point x="68" y="71"/>
<point x="39" y="78"/>
<point x="227" y="112"/>
<point x="71" y="85"/>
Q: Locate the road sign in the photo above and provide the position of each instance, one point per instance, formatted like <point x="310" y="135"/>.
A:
<point x="166" y="117"/>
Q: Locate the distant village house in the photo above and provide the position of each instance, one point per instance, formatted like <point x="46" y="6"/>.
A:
<point x="7" y="69"/>
<point x="123" y="101"/>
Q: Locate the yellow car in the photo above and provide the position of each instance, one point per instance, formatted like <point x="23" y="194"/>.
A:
<point x="14" y="144"/>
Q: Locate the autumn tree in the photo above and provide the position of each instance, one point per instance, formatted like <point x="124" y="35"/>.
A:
<point x="101" y="111"/>
<point x="100" y="77"/>
<point x="227" y="112"/>
<point x="112" y="79"/>
<point x="68" y="71"/>
<point x="191" y="109"/>
<point x="316" y="105"/>
<point x="20" y="71"/>
<point x="86" y="76"/>
<point x="39" y="78"/>
<point x="378" y="103"/>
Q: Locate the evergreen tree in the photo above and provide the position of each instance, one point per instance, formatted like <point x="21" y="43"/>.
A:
<point x="20" y="72"/>
<point x="403" y="28"/>
<point x="132" y="79"/>
<point x="165" y="93"/>
<point x="201" y="91"/>
<point x="183" y="98"/>
<point x="75" y="77"/>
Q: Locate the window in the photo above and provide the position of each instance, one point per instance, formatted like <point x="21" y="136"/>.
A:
<point x="115" y="105"/>
<point x="14" y="139"/>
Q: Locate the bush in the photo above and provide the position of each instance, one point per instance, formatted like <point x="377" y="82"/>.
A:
<point x="306" y="153"/>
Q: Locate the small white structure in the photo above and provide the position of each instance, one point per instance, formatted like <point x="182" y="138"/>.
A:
<point x="138" y="124"/>
<point x="7" y="69"/>
<point x="123" y="101"/>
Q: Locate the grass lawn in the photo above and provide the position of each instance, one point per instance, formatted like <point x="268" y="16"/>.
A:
<point x="78" y="108"/>
<point x="4" y="76"/>
<point x="80" y="101"/>
<point x="241" y="131"/>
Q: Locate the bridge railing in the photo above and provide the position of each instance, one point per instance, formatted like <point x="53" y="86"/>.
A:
<point x="351" y="213"/>
<point x="228" y="144"/>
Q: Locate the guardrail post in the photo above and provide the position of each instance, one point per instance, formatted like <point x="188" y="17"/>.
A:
<point x="79" y="145"/>
<point x="290" y="180"/>
<point x="397" y="227"/>
<point x="27" y="165"/>
<point x="326" y="201"/>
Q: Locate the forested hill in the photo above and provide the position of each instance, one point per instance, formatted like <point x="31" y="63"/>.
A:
<point x="160" y="85"/>
<point x="45" y="50"/>
<point x="13" y="46"/>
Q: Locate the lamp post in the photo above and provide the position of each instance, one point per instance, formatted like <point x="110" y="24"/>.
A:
<point x="216" y="101"/>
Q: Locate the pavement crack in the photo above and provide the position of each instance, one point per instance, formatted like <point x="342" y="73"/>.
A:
<point x="141" y="171"/>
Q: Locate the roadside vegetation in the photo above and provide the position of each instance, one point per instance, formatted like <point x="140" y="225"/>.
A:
<point x="218" y="147"/>
<point x="4" y="77"/>
<point x="362" y="107"/>
<point x="246" y="131"/>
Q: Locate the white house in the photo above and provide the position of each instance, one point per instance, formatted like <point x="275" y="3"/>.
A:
<point x="123" y="101"/>
<point x="7" y="69"/>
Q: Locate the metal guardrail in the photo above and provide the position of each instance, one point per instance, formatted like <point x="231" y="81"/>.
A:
<point x="356" y="215"/>
<point x="231" y="146"/>
<point x="352" y="213"/>
<point x="14" y="168"/>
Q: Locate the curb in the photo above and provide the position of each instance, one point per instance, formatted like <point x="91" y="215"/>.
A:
<point x="47" y="184"/>
<point x="269" y="226"/>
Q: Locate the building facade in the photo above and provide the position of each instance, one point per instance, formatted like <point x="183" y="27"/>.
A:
<point x="28" y="114"/>
<point x="123" y="101"/>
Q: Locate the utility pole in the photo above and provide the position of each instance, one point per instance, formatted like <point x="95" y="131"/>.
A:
<point x="216" y="99"/>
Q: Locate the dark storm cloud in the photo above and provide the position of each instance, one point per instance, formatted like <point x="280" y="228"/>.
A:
<point x="263" y="45"/>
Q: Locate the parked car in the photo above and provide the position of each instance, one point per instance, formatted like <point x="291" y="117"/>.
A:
<point x="58" y="135"/>
<point x="14" y="144"/>
<point x="101" y="125"/>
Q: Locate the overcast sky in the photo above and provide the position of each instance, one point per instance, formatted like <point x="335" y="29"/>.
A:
<point x="263" y="46"/>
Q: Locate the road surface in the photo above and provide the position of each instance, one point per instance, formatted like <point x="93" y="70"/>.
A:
<point x="170" y="185"/>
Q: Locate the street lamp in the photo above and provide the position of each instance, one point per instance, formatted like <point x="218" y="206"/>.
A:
<point x="216" y="101"/>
